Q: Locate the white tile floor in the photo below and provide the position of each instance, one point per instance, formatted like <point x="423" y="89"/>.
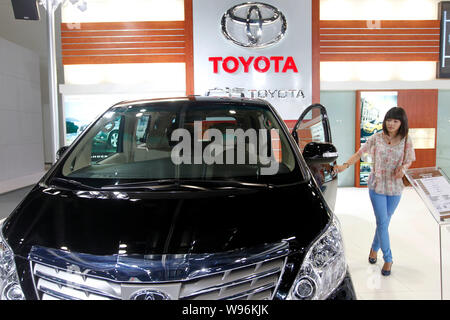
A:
<point x="414" y="238"/>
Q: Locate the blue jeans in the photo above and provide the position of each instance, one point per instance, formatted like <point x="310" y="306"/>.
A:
<point x="383" y="207"/>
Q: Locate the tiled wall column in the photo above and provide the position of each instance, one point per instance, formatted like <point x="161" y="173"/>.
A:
<point x="21" y="132"/>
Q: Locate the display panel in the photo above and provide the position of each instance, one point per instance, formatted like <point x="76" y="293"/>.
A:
<point x="433" y="186"/>
<point x="373" y="106"/>
<point x="423" y="138"/>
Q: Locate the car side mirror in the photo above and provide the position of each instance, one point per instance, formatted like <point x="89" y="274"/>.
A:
<point x="60" y="152"/>
<point x="320" y="152"/>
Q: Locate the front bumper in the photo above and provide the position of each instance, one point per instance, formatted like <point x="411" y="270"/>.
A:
<point x="345" y="291"/>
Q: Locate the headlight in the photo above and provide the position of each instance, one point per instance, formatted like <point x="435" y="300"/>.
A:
<point x="323" y="268"/>
<point x="9" y="281"/>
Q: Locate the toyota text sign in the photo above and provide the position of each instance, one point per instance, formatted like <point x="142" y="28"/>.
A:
<point x="258" y="49"/>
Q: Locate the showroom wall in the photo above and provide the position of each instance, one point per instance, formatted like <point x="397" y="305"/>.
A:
<point x="21" y="134"/>
<point x="341" y="112"/>
<point x="443" y="132"/>
<point x="33" y="35"/>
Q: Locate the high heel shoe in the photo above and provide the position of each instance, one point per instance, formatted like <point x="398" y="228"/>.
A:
<point x="386" y="272"/>
<point x="372" y="260"/>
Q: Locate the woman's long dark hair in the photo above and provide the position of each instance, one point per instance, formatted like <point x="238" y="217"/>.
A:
<point x="397" y="113"/>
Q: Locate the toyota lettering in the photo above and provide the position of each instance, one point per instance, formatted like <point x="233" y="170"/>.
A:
<point x="260" y="64"/>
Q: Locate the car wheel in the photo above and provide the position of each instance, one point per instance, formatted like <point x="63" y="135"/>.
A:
<point x="113" y="138"/>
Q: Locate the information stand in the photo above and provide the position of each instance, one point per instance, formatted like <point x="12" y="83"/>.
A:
<point x="433" y="186"/>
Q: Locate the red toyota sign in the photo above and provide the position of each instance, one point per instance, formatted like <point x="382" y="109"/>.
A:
<point x="260" y="64"/>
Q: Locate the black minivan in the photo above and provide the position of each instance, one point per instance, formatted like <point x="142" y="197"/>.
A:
<point x="201" y="198"/>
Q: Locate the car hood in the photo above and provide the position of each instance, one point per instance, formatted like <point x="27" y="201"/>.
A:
<point x="143" y="223"/>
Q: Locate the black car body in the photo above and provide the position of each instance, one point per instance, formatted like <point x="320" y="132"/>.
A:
<point x="113" y="227"/>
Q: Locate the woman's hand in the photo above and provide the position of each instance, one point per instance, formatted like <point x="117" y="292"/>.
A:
<point x="338" y="168"/>
<point x="351" y="161"/>
<point x="398" y="173"/>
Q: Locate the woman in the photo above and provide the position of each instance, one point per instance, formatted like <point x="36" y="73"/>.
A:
<point x="390" y="160"/>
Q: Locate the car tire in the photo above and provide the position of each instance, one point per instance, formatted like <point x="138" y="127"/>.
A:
<point x="113" y="138"/>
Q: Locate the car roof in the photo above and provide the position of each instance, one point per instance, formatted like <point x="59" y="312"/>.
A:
<point x="196" y="99"/>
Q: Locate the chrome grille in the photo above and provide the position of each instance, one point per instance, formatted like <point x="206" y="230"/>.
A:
<point x="52" y="283"/>
<point x="255" y="280"/>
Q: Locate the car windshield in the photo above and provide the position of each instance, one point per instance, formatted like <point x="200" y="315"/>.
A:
<point x="183" y="140"/>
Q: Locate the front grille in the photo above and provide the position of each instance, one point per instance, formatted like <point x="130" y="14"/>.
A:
<point x="256" y="282"/>
<point x="250" y="280"/>
<point x="52" y="283"/>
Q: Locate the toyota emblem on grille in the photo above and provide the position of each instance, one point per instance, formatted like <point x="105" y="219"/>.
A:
<point x="254" y="25"/>
<point x="149" y="295"/>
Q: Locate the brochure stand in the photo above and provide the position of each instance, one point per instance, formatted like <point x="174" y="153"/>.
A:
<point x="433" y="186"/>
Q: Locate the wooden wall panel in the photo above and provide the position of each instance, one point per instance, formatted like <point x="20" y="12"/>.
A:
<point x="140" y="25"/>
<point x="382" y="57"/>
<point x="132" y="42"/>
<point x="383" y="40"/>
<point x="125" y="42"/>
<point x="422" y="108"/>
<point x="141" y="58"/>
<point x="189" y="46"/>
<point x="374" y="24"/>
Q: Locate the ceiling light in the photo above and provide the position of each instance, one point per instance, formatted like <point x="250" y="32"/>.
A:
<point x="82" y="6"/>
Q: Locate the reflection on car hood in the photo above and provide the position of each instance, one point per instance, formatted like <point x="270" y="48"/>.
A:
<point x="164" y="222"/>
<point x="157" y="268"/>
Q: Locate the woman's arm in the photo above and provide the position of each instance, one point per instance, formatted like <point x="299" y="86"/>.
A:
<point x="410" y="157"/>
<point x="351" y="161"/>
<point x="365" y="148"/>
<point x="400" y="170"/>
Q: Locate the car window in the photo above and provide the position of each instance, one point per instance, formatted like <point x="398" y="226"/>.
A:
<point x="173" y="141"/>
<point x="311" y="128"/>
<point x="141" y="128"/>
<point x="106" y="141"/>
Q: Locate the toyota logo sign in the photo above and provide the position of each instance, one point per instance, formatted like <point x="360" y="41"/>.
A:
<point x="149" y="295"/>
<point x="254" y="25"/>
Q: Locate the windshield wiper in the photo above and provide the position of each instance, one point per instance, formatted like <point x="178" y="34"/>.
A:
<point x="72" y="183"/>
<point x="153" y="185"/>
<point x="227" y="183"/>
<point x="192" y="184"/>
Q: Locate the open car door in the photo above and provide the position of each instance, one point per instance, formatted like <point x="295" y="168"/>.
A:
<point x="313" y="136"/>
